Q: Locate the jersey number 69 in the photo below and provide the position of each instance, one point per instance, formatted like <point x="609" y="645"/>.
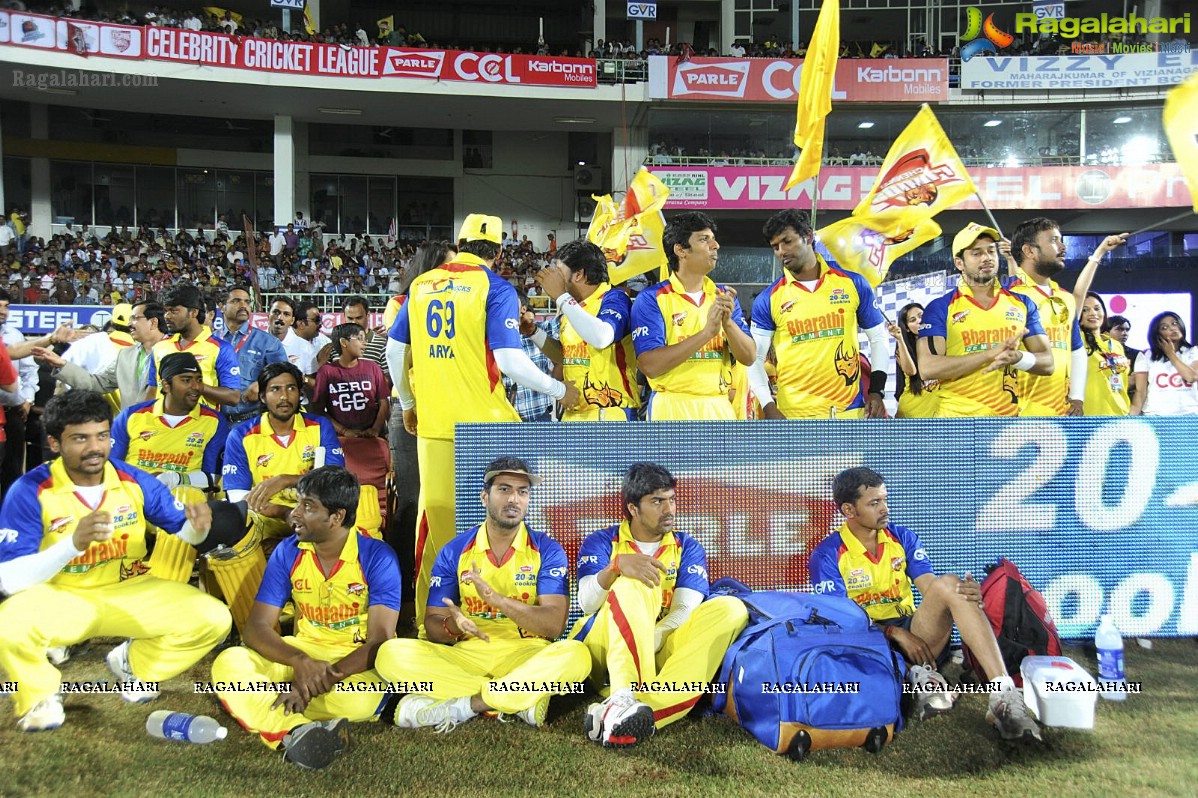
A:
<point x="440" y="317"/>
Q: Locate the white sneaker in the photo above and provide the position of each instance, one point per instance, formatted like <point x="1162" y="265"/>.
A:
<point x="535" y="715"/>
<point x="46" y="714"/>
<point x="619" y="722"/>
<point x="134" y="691"/>
<point x="58" y="654"/>
<point x="1009" y="715"/>
<point x="933" y="696"/>
<point x="444" y="715"/>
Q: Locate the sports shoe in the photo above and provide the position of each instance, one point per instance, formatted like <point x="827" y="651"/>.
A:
<point x="315" y="745"/>
<point x="619" y="722"/>
<point x="535" y="715"/>
<point x="46" y="714"/>
<point x="58" y="654"/>
<point x="444" y="715"/>
<point x="1009" y="715"/>
<point x="932" y="696"/>
<point x="138" y="692"/>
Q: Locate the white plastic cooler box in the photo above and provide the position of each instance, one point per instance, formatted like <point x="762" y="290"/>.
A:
<point x="1059" y="692"/>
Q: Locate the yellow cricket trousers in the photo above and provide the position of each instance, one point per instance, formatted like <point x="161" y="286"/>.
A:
<point x="494" y="670"/>
<point x="620" y="640"/>
<point x="357" y="697"/>
<point x="172" y="626"/>
<point x="436" y="522"/>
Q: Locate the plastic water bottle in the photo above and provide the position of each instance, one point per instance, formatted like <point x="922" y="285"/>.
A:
<point x="1109" y="643"/>
<point x="167" y="725"/>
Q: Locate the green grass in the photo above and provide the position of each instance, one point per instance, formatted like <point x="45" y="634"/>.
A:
<point x="1146" y="746"/>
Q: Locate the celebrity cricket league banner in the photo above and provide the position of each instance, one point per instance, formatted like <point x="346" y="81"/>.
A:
<point x="1097" y="513"/>
<point x="772" y="79"/>
<point x="1071" y="72"/>
<point x="303" y="58"/>
<point x="843" y="187"/>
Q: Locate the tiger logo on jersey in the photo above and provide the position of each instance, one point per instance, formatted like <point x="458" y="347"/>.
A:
<point x="1010" y="383"/>
<point x="601" y="395"/>
<point x="848" y="364"/>
<point x="135" y="568"/>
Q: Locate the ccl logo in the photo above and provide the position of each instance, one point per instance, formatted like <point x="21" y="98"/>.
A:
<point x="492" y="68"/>
<point x="642" y="10"/>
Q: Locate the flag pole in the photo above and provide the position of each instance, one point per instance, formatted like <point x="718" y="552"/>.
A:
<point x="1155" y="225"/>
<point x="989" y="215"/>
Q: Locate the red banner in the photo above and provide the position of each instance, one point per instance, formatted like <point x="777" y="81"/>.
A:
<point x="841" y="188"/>
<point x="301" y="58"/>
<point x="915" y="80"/>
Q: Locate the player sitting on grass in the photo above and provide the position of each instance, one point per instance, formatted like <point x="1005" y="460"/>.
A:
<point x="875" y="563"/>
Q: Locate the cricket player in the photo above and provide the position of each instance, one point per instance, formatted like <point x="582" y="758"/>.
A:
<point x="346" y="590"/>
<point x="595" y="346"/>
<point x="462" y="324"/>
<point x="812" y="316"/>
<point x="498" y="600"/>
<point x="72" y="544"/>
<point x="687" y="330"/>
<point x="185" y="311"/>
<point x="642" y="586"/>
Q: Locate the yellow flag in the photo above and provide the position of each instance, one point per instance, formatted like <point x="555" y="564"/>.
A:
<point x="630" y="233"/>
<point x="815" y="92"/>
<point x="1181" y="126"/>
<point x="921" y="176"/>
<point x="309" y="23"/>
<point x="860" y="247"/>
<point x="219" y="13"/>
<point x="386" y="26"/>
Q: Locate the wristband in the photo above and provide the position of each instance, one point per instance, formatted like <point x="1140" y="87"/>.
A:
<point x="877" y="382"/>
<point x="445" y="626"/>
<point x="1026" y="362"/>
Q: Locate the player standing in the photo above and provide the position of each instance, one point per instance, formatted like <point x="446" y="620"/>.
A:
<point x="185" y="319"/>
<point x="812" y="316"/>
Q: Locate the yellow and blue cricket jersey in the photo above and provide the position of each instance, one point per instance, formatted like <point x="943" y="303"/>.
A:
<point x="1107" y="379"/>
<point x="815" y="334"/>
<point x="392" y="309"/>
<point x="331" y="609"/>
<point x="142" y="436"/>
<point x="682" y="555"/>
<point x="966" y="327"/>
<point x="606" y="377"/>
<point x="663" y="315"/>
<point x="43" y="506"/>
<point x="217" y="359"/>
<point x="534" y="566"/>
<point x="455" y="316"/>
<point x="253" y="453"/>
<point x="1049" y="395"/>
<point x="880" y="584"/>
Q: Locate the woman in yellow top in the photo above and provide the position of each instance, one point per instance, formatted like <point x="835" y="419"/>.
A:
<point x="1108" y="375"/>
<point x="916" y="398"/>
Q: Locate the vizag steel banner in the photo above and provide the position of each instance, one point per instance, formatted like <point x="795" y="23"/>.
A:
<point x="1158" y="185"/>
<point x="773" y="79"/>
<point x="1069" y="72"/>
<point x="1098" y="513"/>
<point x="304" y="58"/>
<point x="42" y="319"/>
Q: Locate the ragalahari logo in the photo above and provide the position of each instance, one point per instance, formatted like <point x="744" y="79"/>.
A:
<point x="993" y="38"/>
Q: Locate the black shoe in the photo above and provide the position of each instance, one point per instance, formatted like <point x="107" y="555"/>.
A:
<point x="315" y="745"/>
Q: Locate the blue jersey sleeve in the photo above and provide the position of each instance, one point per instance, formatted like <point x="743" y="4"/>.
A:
<point x="616" y="312"/>
<point x="762" y="315"/>
<point x="21" y="527"/>
<point x="503" y="314"/>
<point x="443" y="583"/>
<point x="236" y="472"/>
<point x="595" y="552"/>
<point x="692" y="566"/>
<point x="399" y="328"/>
<point x="162" y="509"/>
<point x="381" y="569"/>
<point x="216" y="446"/>
<point x="868" y="314"/>
<point x="552" y="578"/>
<point x="1034" y="327"/>
<point x="228" y="370"/>
<point x="334" y="455"/>
<point x="738" y="315"/>
<point x="824" y="565"/>
<point x="918" y="563"/>
<point x="1077" y="342"/>
<point x="648" y="326"/>
<point x="120" y="433"/>
<point x="152" y="371"/>
<point x="275" y="589"/>
<point x="935" y="318"/>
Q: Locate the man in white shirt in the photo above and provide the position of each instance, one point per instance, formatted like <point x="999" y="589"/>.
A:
<point x="277" y="242"/>
<point x="16" y="403"/>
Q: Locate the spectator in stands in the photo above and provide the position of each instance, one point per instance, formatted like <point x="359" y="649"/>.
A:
<point x="1166" y="374"/>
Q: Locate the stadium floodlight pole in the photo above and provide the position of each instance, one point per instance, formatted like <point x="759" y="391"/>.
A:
<point x="1155" y="225"/>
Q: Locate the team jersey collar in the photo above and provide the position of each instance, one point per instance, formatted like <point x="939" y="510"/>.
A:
<point x="121" y="338"/>
<point x="596" y="296"/>
<point x="64" y="484"/>
<point x="160" y="408"/>
<point x="709" y="288"/>
<point x="626" y="537"/>
<point x="204" y="334"/>
<point x="349" y="552"/>
<point x="1026" y="279"/>
<point x="964" y="290"/>
<point x="856" y="547"/>
<point x="483" y="540"/>
<point x="824" y="268"/>
<point x="466" y="259"/>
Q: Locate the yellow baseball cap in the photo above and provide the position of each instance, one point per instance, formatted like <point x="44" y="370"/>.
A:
<point x="480" y="227"/>
<point x="122" y="314"/>
<point x="970" y="233"/>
